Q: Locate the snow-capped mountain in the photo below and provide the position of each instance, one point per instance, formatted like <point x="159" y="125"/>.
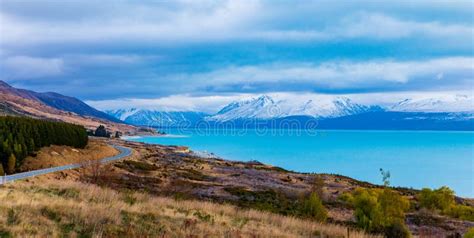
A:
<point x="145" y="117"/>
<point x="454" y="112"/>
<point x="447" y="103"/>
<point x="265" y="107"/>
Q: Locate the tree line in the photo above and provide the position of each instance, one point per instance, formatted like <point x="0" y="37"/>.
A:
<point x="21" y="136"/>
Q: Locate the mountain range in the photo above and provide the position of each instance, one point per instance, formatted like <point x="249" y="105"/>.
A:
<point x="450" y="112"/>
<point x="443" y="113"/>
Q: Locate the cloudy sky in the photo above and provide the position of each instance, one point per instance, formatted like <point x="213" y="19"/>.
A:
<point x="201" y="54"/>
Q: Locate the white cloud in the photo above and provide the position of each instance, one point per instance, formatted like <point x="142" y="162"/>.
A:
<point x="26" y="67"/>
<point x="379" y="26"/>
<point x="215" y="21"/>
<point x="342" y="74"/>
<point x="171" y="103"/>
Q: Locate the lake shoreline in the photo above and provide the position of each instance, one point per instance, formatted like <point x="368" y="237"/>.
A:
<point x="412" y="157"/>
<point x="173" y="170"/>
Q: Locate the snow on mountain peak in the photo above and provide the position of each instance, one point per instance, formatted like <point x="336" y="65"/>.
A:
<point x="446" y="103"/>
<point x="281" y="105"/>
<point x="265" y="107"/>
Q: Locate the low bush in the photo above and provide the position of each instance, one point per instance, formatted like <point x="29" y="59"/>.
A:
<point x="438" y="199"/>
<point x="461" y="212"/>
<point x="397" y="230"/>
<point x="469" y="233"/>
<point x="309" y="206"/>
<point x="442" y="200"/>
<point x="313" y="207"/>
<point x="379" y="210"/>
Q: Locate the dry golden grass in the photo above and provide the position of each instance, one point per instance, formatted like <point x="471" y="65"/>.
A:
<point x="66" y="208"/>
<point x="56" y="155"/>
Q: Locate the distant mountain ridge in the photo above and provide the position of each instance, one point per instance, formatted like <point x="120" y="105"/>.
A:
<point x="144" y="117"/>
<point x="60" y="102"/>
<point x="329" y="112"/>
<point x="447" y="103"/>
<point x="57" y="107"/>
<point x="265" y="107"/>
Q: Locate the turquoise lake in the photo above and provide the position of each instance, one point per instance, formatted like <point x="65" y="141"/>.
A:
<point x="415" y="159"/>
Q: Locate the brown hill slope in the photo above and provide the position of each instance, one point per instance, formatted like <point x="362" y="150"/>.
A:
<point x="19" y="102"/>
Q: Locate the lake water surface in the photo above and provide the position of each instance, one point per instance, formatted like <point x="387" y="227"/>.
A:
<point x="414" y="158"/>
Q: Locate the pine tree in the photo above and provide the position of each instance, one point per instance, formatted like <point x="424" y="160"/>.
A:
<point x="2" y="172"/>
<point x="22" y="136"/>
<point x="101" y="131"/>
<point x="11" y="164"/>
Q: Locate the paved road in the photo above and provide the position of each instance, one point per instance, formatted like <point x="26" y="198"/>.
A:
<point x="124" y="152"/>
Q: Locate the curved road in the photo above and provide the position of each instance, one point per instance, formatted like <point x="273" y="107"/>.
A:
<point x="124" y="152"/>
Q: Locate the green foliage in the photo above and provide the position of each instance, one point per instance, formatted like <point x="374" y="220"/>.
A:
<point x="5" y="233"/>
<point x="101" y="132"/>
<point x="11" y="164"/>
<point x="393" y="207"/>
<point x="379" y="210"/>
<point x="461" y="212"/>
<point x="318" y="185"/>
<point x="12" y="217"/>
<point x="273" y="201"/>
<point x="21" y="136"/>
<point x="313" y="207"/>
<point x="442" y="200"/>
<point x="469" y="233"/>
<point x="367" y="212"/>
<point x="439" y="199"/>
<point x="397" y="230"/>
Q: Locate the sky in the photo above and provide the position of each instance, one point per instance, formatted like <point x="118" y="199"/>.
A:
<point x="199" y="55"/>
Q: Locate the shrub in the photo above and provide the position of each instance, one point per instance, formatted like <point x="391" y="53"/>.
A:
<point x="469" y="233"/>
<point x="438" y="199"/>
<point x="313" y="207"/>
<point x="442" y="200"/>
<point x="379" y="210"/>
<point x="318" y="185"/>
<point x="101" y="132"/>
<point x="461" y="212"/>
<point x="278" y="202"/>
<point x="366" y="209"/>
<point x="393" y="207"/>
<point x="397" y="230"/>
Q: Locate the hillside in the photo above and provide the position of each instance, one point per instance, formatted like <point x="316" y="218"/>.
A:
<point x="155" y="171"/>
<point x="65" y="208"/>
<point x="56" y="155"/>
<point x="58" y="101"/>
<point x="19" y="102"/>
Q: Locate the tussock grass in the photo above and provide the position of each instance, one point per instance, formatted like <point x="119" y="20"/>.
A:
<point x="66" y="208"/>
